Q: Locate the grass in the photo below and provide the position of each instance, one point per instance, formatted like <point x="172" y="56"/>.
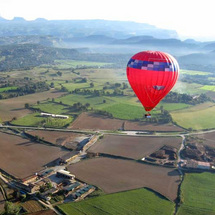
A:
<point x="194" y="72"/>
<point x="133" y="202"/>
<point x="36" y="120"/>
<point x="188" y="88"/>
<point x="121" y="107"/>
<point x="51" y="107"/>
<point x="208" y="88"/>
<point x="65" y="64"/>
<point x="125" y="111"/>
<point x="198" y="194"/>
<point x="197" y="117"/>
<point x="5" y="89"/>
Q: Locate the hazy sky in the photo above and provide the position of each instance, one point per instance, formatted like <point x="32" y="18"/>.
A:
<point x="190" y="18"/>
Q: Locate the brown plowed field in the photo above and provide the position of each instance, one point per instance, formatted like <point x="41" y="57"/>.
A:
<point x="2" y="202"/>
<point x="97" y="122"/>
<point x="139" y="126"/>
<point x="44" y="212"/>
<point x="14" y="107"/>
<point x="133" y="147"/>
<point x="21" y="157"/>
<point x="115" y="175"/>
<point x="32" y="206"/>
<point x="208" y="139"/>
<point x="68" y="139"/>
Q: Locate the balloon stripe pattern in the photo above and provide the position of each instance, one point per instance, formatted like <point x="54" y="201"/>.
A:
<point x="152" y="74"/>
<point x="150" y="65"/>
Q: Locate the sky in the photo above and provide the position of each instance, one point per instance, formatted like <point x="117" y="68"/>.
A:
<point x="190" y="18"/>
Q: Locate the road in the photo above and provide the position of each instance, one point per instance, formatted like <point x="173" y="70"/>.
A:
<point x="95" y="138"/>
<point x="179" y="154"/>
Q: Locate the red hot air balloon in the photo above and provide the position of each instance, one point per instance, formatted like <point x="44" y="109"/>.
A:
<point x="152" y="74"/>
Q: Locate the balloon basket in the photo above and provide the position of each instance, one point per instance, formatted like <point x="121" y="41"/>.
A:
<point x="148" y="115"/>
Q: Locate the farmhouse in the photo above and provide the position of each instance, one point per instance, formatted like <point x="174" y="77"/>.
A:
<point x="197" y="164"/>
<point x="65" y="174"/>
<point x="203" y="165"/>
<point x="54" y="115"/>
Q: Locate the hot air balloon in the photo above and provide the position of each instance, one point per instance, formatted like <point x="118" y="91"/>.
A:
<point x="152" y="74"/>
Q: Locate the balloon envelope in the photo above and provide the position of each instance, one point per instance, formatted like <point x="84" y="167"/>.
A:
<point x="152" y="74"/>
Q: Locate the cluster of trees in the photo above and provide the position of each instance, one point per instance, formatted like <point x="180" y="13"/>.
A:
<point x="80" y="107"/>
<point x="24" y="56"/>
<point x="199" y="79"/>
<point x="116" y="92"/>
<point x="104" y="113"/>
<point x="122" y="86"/>
<point x="174" y="97"/>
<point x="28" y="88"/>
<point x="163" y="117"/>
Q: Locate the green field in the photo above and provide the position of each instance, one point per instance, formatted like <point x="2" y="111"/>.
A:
<point x="5" y="89"/>
<point x="121" y="107"/>
<point x="188" y="88"/>
<point x="37" y="121"/>
<point x="198" y="194"/>
<point x="196" y="117"/>
<point x="52" y="107"/>
<point x="65" y="64"/>
<point x="194" y="72"/>
<point x="133" y="202"/>
<point x="208" y="88"/>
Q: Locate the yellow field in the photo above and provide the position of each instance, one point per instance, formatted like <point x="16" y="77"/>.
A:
<point x="196" y="117"/>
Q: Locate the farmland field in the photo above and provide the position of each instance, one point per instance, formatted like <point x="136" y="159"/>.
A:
<point x="196" y="117"/>
<point x="20" y="157"/>
<point x="35" y="119"/>
<point x="198" y="194"/>
<point x="65" y="64"/>
<point x="51" y="107"/>
<point x="14" y="107"/>
<point x="208" y="88"/>
<point x="3" y="89"/>
<point x="133" y="147"/>
<point x="94" y="121"/>
<point x="2" y="202"/>
<point x="189" y="88"/>
<point x="67" y="139"/>
<point x="208" y="139"/>
<point x="115" y="175"/>
<point x="44" y="212"/>
<point x="193" y="72"/>
<point x="141" y="201"/>
<point x="32" y="206"/>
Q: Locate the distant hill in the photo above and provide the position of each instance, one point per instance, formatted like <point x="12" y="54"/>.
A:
<point x="27" y="55"/>
<point x="198" y="61"/>
<point x="78" y="28"/>
<point x="24" y="56"/>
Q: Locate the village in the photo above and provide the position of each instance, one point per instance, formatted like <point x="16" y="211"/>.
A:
<point x="56" y="182"/>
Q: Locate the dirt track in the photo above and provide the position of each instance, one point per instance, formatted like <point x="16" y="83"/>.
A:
<point x="115" y="175"/>
<point x="21" y="157"/>
<point x="133" y="147"/>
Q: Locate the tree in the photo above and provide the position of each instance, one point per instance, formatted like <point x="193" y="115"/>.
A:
<point x="27" y="105"/>
<point x="59" y="73"/>
<point x="11" y="209"/>
<point x="52" y="85"/>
